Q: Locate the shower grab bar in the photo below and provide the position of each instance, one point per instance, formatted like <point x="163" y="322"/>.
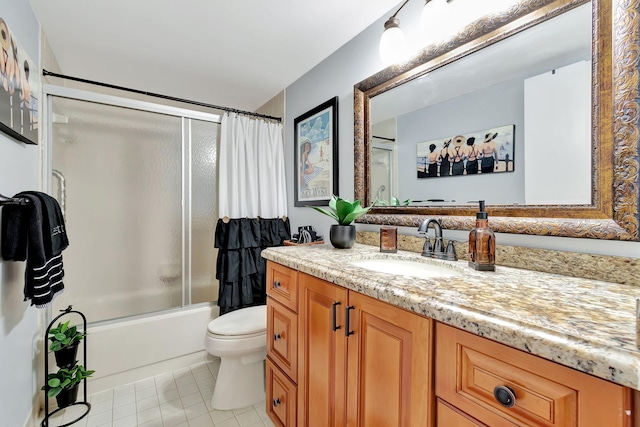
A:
<point x="62" y="191"/>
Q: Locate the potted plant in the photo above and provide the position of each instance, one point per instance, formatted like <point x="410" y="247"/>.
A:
<point x="343" y="234"/>
<point x="64" y="343"/>
<point x="64" y="384"/>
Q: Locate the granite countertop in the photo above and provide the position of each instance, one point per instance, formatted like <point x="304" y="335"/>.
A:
<point x="585" y="324"/>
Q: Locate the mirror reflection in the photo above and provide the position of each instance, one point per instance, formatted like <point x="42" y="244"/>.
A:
<point x="533" y="90"/>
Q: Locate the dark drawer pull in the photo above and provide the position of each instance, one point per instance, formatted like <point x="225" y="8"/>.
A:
<point x="276" y="284"/>
<point x="276" y="337"/>
<point x="347" y="321"/>
<point x="334" y="327"/>
<point x="276" y="402"/>
<point x="505" y="395"/>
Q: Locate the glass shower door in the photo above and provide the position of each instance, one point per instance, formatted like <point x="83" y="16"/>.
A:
<point x="381" y="174"/>
<point x="123" y="171"/>
<point x="204" y="210"/>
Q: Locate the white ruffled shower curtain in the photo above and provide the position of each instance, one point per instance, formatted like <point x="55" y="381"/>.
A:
<point x="252" y="206"/>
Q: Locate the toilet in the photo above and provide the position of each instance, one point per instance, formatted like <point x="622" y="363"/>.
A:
<point x="239" y="339"/>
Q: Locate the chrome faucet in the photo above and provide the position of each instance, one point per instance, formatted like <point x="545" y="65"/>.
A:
<point x="438" y="249"/>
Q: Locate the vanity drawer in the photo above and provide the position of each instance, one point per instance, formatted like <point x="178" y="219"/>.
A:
<point x="469" y="368"/>
<point x="282" y="285"/>
<point x="281" y="404"/>
<point x="448" y="416"/>
<point x="282" y="337"/>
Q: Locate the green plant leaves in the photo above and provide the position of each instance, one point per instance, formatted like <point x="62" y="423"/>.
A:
<point x="64" y="336"/>
<point x="343" y="210"/>
<point x="356" y="214"/>
<point x="326" y="212"/>
<point x="65" y="378"/>
<point x="332" y="202"/>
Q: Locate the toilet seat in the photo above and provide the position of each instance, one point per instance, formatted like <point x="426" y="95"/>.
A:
<point x="236" y="337"/>
<point x="244" y="323"/>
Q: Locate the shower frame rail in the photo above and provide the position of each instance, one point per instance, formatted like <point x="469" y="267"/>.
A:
<point x="161" y="96"/>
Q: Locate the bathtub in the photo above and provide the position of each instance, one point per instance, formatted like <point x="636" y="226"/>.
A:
<point x="130" y="350"/>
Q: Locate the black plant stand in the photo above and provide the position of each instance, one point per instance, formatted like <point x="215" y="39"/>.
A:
<point x="47" y="415"/>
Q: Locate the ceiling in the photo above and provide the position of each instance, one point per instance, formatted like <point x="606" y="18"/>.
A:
<point x="235" y="53"/>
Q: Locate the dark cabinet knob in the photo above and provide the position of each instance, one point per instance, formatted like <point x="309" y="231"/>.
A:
<point x="276" y="284"/>
<point x="505" y="395"/>
<point x="276" y="402"/>
<point x="276" y="337"/>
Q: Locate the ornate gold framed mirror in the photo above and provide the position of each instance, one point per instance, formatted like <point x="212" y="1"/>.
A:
<point x="611" y="208"/>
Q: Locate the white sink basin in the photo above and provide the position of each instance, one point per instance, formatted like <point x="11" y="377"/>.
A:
<point x="402" y="267"/>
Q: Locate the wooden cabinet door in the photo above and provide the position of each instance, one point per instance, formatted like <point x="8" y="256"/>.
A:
<point x="323" y="353"/>
<point x="389" y="367"/>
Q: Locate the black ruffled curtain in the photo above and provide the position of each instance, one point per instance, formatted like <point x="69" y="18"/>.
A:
<point x="241" y="270"/>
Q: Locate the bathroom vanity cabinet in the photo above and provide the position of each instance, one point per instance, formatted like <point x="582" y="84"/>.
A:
<point x="325" y="366"/>
<point x="336" y="357"/>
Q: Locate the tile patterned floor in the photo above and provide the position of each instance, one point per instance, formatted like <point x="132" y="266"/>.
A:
<point x="177" y="399"/>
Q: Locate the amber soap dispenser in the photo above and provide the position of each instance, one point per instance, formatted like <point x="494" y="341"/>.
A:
<point x="482" y="243"/>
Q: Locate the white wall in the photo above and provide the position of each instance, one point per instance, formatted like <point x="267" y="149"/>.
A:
<point x="19" y="322"/>
<point x="336" y="75"/>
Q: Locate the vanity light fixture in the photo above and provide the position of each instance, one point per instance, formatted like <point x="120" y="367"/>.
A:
<point x="393" y="44"/>
<point x="439" y="21"/>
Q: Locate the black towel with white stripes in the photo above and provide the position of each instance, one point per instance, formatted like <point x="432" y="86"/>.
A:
<point x="36" y="233"/>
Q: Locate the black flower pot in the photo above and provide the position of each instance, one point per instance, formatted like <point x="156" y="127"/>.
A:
<point x="342" y="236"/>
<point x="67" y="396"/>
<point x="66" y="357"/>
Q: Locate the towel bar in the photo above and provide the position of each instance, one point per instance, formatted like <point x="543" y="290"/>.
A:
<point x="13" y="200"/>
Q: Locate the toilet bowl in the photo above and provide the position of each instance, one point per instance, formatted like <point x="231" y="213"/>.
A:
<point x="239" y="339"/>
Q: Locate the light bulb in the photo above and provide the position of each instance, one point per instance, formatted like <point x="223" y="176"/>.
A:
<point x="435" y="22"/>
<point x="393" y="45"/>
